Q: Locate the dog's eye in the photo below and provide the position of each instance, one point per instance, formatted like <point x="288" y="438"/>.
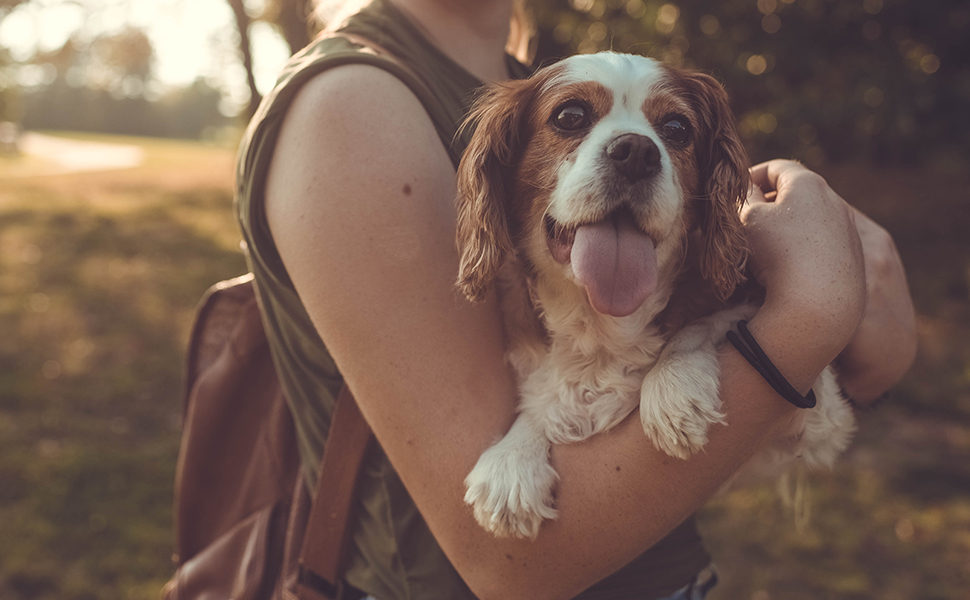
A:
<point x="677" y="130"/>
<point x="571" y="117"/>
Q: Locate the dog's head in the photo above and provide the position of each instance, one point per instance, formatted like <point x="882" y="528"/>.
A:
<point x="596" y="170"/>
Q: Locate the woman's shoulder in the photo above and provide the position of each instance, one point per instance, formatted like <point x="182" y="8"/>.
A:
<point x="331" y="62"/>
<point x="325" y="132"/>
<point x="352" y="145"/>
<point x="352" y="91"/>
<point x="358" y="118"/>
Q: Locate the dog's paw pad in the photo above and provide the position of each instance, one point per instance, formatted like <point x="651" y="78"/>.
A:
<point x="676" y="437"/>
<point x="511" y="496"/>
<point x="677" y="410"/>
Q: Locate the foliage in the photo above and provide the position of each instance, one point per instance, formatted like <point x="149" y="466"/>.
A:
<point x="818" y="80"/>
<point x="122" y="56"/>
<point x="292" y="19"/>
<point x="183" y="113"/>
<point x="106" y="85"/>
<point x="814" y="79"/>
<point x="11" y="106"/>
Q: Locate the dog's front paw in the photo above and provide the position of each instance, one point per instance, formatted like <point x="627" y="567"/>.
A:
<point x="827" y="429"/>
<point x="679" y="401"/>
<point x="511" y="491"/>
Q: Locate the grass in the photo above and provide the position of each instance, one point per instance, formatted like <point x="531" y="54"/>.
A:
<point x="99" y="276"/>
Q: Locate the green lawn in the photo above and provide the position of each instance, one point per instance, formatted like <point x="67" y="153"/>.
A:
<point x="99" y="275"/>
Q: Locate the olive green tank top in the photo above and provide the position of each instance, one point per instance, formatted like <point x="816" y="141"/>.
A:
<point x="393" y="554"/>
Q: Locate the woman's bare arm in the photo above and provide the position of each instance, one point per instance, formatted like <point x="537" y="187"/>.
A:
<point x="360" y="202"/>
<point x="884" y="346"/>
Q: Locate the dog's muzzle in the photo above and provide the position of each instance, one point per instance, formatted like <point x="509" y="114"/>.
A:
<point x="634" y="156"/>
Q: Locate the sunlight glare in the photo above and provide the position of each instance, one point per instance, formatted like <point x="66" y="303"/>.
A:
<point x="191" y="39"/>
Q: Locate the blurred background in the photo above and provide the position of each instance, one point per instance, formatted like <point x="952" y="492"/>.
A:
<point x="118" y="125"/>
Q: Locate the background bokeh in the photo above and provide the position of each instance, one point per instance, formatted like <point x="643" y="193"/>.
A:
<point x="119" y="119"/>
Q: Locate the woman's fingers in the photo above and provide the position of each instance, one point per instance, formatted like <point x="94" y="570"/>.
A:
<point x="755" y="199"/>
<point x="759" y="175"/>
<point x="805" y="249"/>
<point x="774" y="175"/>
<point x="756" y="195"/>
<point x="808" y="243"/>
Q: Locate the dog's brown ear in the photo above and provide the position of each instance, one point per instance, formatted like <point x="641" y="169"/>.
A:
<point x="484" y="184"/>
<point x="723" y="166"/>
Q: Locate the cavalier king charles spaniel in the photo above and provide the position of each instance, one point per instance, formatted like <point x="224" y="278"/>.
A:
<point x="590" y="196"/>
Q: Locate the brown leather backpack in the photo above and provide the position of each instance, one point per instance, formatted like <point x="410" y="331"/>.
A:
<point x="244" y="522"/>
<point x="245" y="526"/>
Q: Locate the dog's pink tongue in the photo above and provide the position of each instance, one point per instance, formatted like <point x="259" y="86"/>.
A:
<point x="616" y="263"/>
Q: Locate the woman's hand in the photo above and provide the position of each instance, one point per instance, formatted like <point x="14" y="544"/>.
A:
<point x="806" y="252"/>
<point x="884" y="345"/>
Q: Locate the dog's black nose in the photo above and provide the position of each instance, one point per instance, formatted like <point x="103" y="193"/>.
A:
<point x="635" y="156"/>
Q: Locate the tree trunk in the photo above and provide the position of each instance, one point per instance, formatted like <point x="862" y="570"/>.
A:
<point x="245" y="48"/>
<point x="292" y="21"/>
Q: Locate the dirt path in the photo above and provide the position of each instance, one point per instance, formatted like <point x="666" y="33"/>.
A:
<point x="71" y="156"/>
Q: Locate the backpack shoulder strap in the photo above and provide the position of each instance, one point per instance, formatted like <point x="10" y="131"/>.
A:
<point x="329" y="525"/>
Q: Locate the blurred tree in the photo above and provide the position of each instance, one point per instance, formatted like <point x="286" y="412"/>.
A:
<point x="121" y="63"/>
<point x="818" y="80"/>
<point x="182" y="113"/>
<point x="101" y="86"/>
<point x="243" y="22"/>
<point x="188" y="112"/>
<point x="125" y="55"/>
<point x="10" y="101"/>
<point x="292" y="20"/>
<point x="7" y="6"/>
<point x="814" y="79"/>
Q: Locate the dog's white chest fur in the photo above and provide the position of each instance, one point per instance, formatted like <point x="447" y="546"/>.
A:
<point x="586" y="377"/>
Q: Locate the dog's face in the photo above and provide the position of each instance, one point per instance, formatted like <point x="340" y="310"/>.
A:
<point x="597" y="169"/>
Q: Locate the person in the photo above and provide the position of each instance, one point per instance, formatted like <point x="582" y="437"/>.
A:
<point x="345" y="199"/>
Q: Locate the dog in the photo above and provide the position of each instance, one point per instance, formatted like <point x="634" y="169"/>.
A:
<point x="588" y="195"/>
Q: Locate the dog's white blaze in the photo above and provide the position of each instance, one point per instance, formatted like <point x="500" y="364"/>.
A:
<point x="580" y="178"/>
